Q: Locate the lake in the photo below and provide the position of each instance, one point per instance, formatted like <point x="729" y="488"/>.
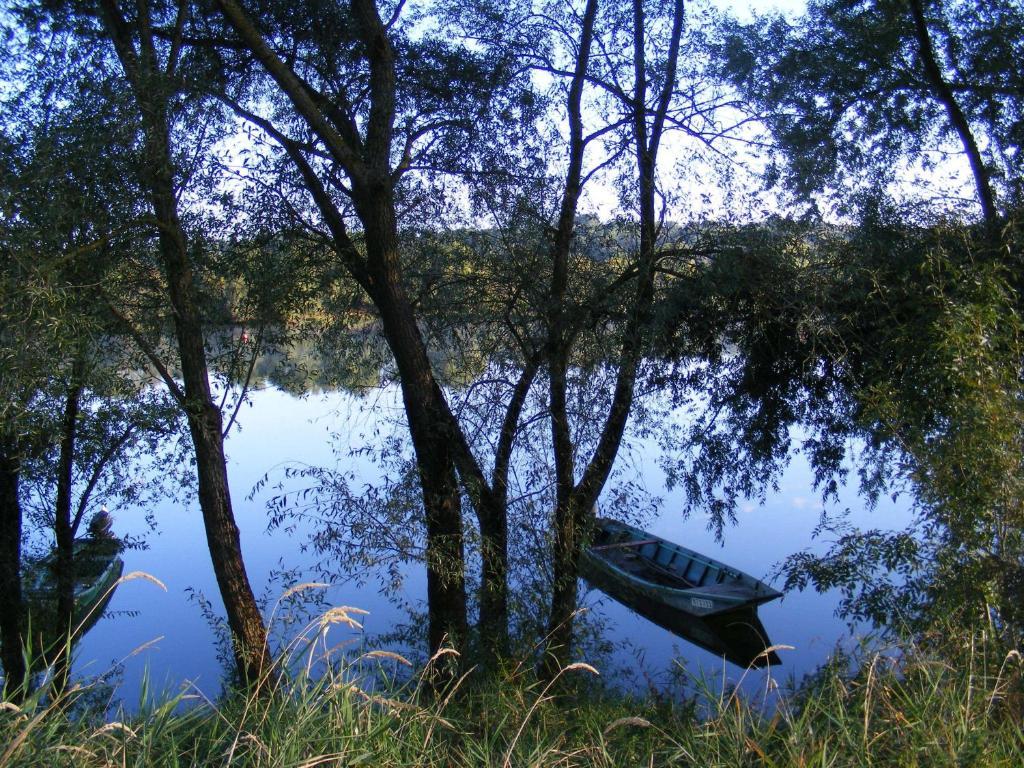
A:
<point x="164" y="637"/>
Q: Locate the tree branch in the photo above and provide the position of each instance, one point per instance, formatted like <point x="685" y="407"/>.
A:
<point x="956" y="116"/>
<point x="97" y="472"/>
<point x="293" y="88"/>
<point x="147" y="350"/>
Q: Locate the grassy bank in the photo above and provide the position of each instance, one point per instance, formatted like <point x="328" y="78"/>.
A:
<point x="960" y="706"/>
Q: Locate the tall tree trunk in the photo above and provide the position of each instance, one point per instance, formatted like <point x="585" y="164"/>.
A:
<point x="492" y="625"/>
<point x="565" y="529"/>
<point x="150" y="84"/>
<point x="575" y="501"/>
<point x="60" y="654"/>
<point x="205" y="427"/>
<point x="363" y="152"/>
<point x="366" y="160"/>
<point x="373" y="194"/>
<point x="16" y="675"/>
<point x="429" y="428"/>
<point x="570" y="524"/>
<point x="492" y="515"/>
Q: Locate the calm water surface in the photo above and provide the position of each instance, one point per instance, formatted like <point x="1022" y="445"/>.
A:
<point x="164" y="635"/>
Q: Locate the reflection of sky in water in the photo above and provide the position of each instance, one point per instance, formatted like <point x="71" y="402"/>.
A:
<point x="280" y="429"/>
<point x="277" y="430"/>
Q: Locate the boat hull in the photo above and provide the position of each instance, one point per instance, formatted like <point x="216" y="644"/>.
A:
<point x="716" y="608"/>
<point x="738" y="635"/>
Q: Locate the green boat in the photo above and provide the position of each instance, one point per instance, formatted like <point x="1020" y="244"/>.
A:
<point x="694" y="596"/>
<point x="98" y="566"/>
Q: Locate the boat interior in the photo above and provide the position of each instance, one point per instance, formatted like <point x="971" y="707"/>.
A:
<point x="654" y="561"/>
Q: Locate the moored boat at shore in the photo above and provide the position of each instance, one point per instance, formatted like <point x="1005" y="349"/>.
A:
<point x="692" y="595"/>
<point x="97" y="567"/>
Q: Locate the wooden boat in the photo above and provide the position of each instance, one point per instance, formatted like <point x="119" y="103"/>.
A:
<point x="98" y="566"/>
<point x="694" y="596"/>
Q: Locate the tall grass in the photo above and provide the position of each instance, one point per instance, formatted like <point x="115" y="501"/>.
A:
<point x="958" y="703"/>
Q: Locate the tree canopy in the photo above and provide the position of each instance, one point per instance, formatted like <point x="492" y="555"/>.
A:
<point x="857" y="90"/>
<point x="495" y="195"/>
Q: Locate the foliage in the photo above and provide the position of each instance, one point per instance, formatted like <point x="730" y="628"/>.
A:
<point x="898" y="332"/>
<point x="892" y="344"/>
<point x="68" y="201"/>
<point x="848" y="98"/>
<point x="951" y="401"/>
<point x="122" y="429"/>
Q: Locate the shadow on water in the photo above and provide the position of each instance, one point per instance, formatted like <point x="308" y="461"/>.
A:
<point x="739" y="636"/>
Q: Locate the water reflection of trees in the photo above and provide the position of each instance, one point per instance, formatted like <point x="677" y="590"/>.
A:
<point x="364" y="529"/>
<point x="350" y="360"/>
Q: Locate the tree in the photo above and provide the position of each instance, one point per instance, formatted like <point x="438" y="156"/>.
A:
<point x="41" y="247"/>
<point x="895" y="347"/>
<point x="153" y="84"/>
<point x="121" y="61"/>
<point x="356" y="109"/>
<point x="645" y="109"/>
<point x="96" y="425"/>
<point x="26" y="339"/>
<point x="81" y="416"/>
<point x="855" y="87"/>
<point x="915" y="328"/>
<point x="359" y="106"/>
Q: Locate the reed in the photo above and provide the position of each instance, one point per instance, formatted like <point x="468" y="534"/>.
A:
<point x="956" y="703"/>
